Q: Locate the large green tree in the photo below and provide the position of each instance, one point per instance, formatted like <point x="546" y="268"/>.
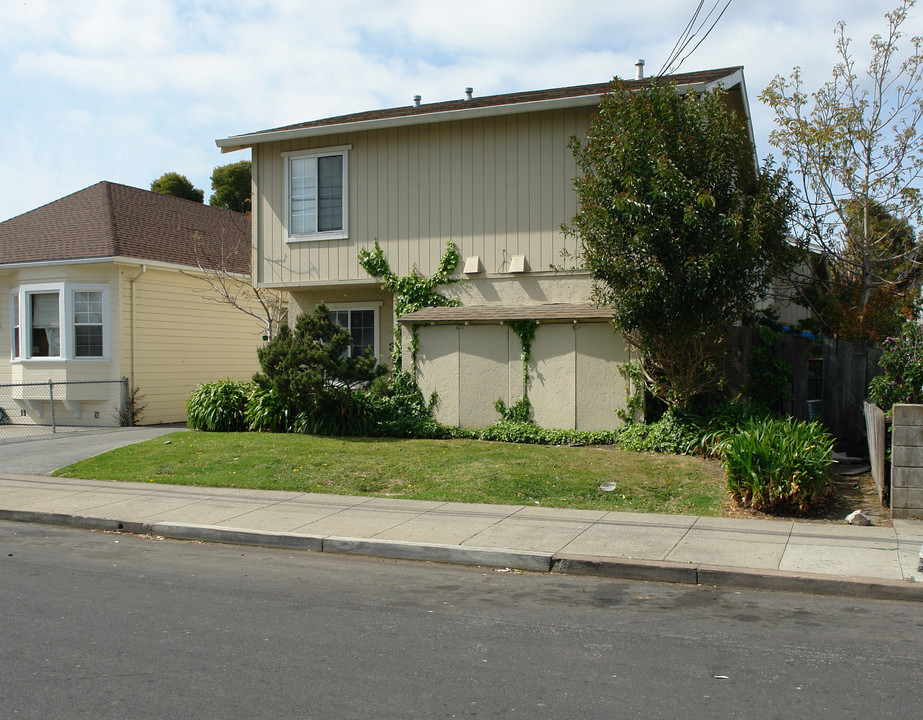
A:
<point x="680" y="230"/>
<point x="855" y="150"/>
<point x="177" y="185"/>
<point x="231" y="186"/>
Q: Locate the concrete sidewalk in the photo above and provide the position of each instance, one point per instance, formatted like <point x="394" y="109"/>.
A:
<point x="783" y="555"/>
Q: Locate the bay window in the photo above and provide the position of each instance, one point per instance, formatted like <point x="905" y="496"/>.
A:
<point x="60" y="321"/>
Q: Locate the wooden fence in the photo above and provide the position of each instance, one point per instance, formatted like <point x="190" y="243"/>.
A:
<point x="875" y="429"/>
<point x="828" y="376"/>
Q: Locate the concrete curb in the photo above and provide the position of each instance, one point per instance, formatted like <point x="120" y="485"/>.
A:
<point x="77" y="521"/>
<point x="656" y="571"/>
<point x="239" y="536"/>
<point x="599" y="566"/>
<point x="779" y="580"/>
<point x="432" y="552"/>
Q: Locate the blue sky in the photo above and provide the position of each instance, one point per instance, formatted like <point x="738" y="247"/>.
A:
<point x="123" y="90"/>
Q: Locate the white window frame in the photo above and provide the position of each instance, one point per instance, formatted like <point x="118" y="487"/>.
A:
<point x="288" y="157"/>
<point x="375" y="307"/>
<point x="66" y="340"/>
<point x="15" y="326"/>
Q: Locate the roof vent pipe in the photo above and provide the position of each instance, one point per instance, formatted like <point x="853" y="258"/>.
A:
<point x="469" y="93"/>
<point x="639" y="69"/>
<point x="416" y="100"/>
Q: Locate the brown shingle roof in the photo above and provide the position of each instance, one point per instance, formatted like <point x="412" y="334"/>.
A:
<point x="704" y="76"/>
<point x="111" y="220"/>
<point x="549" y="312"/>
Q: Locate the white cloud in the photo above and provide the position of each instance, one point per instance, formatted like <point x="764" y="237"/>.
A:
<point x="125" y="90"/>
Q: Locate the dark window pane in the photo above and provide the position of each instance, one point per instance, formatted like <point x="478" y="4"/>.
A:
<point x="330" y="193"/>
<point x="88" y="341"/>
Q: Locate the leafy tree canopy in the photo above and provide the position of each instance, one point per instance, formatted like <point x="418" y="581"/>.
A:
<point x="177" y="185"/>
<point x="231" y="186"/>
<point x="678" y="228"/>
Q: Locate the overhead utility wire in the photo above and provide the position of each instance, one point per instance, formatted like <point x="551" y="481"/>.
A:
<point x="685" y="37"/>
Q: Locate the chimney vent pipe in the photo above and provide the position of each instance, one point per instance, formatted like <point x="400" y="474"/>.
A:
<point x="639" y="69"/>
<point x="416" y="100"/>
<point x="469" y="93"/>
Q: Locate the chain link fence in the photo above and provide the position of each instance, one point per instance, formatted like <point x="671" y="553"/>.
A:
<point x="42" y="408"/>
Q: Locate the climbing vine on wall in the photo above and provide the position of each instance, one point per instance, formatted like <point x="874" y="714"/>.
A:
<point x="412" y="292"/>
<point x="521" y="410"/>
<point x="525" y="329"/>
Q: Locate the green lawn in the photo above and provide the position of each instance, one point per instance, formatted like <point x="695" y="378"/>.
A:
<point x="449" y="470"/>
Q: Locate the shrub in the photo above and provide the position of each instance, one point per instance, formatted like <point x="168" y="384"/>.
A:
<point x="520" y="411"/>
<point x="902" y="362"/>
<point x="313" y="379"/>
<point x="529" y="433"/>
<point x="131" y="413"/>
<point x="396" y="408"/>
<point x="777" y="465"/>
<point x="669" y="434"/>
<point x="218" y="406"/>
<point x="267" y="412"/>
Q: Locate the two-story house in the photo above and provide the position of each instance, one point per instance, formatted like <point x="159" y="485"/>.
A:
<point x="494" y="175"/>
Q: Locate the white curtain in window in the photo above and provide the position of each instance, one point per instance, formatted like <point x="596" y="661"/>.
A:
<point x="45" y="317"/>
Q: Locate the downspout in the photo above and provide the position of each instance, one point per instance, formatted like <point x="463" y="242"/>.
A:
<point x="131" y="330"/>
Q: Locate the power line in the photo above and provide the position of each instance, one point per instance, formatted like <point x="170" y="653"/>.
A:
<point x="689" y="33"/>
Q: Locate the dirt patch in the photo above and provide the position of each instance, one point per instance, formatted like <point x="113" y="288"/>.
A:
<point x="851" y="492"/>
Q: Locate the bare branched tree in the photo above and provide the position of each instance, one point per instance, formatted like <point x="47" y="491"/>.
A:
<point x="224" y="264"/>
<point x="855" y="150"/>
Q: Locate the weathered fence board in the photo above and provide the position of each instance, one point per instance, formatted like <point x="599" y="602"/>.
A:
<point x="875" y="430"/>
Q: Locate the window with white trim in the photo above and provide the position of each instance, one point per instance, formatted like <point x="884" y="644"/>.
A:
<point x="44" y="324"/>
<point x="316" y="202"/>
<point x="362" y="323"/>
<point x="59" y="321"/>
<point x="14" y="324"/>
<point x="88" y="323"/>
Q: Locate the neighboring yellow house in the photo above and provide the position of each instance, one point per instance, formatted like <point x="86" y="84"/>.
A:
<point x="495" y="176"/>
<point x="101" y="285"/>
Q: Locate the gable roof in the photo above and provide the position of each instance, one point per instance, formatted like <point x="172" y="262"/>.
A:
<point x="573" y="96"/>
<point x="109" y="220"/>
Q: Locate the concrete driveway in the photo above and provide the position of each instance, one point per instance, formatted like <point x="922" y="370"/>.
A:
<point x="45" y="454"/>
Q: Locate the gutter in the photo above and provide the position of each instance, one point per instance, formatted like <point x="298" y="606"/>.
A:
<point x="131" y="329"/>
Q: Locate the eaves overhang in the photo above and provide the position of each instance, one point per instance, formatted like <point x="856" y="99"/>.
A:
<point x="241" y="142"/>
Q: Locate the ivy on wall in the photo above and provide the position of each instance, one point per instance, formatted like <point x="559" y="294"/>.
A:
<point x="521" y="410"/>
<point x="412" y="292"/>
<point x="525" y="329"/>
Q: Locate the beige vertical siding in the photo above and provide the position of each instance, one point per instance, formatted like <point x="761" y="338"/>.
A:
<point x="497" y="187"/>
<point x="181" y="338"/>
<point x="574" y="378"/>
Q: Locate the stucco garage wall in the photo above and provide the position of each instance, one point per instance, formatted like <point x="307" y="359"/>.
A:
<point x="575" y="381"/>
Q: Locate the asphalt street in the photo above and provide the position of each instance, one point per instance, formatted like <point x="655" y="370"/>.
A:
<point x="105" y="625"/>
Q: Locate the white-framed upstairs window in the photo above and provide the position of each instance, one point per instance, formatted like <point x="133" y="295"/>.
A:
<point x="60" y="321"/>
<point x="361" y="319"/>
<point x="316" y="206"/>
